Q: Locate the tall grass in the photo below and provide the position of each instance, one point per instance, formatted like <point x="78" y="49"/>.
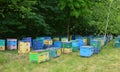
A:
<point x="107" y="60"/>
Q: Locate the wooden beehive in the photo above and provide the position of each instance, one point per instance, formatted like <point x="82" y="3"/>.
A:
<point x="67" y="50"/>
<point x="23" y="47"/>
<point x="59" y="51"/>
<point x="48" y="42"/>
<point x="2" y="47"/>
<point x="2" y="44"/>
<point x="39" y="56"/>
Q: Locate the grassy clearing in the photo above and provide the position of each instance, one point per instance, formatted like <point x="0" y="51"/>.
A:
<point x="107" y="60"/>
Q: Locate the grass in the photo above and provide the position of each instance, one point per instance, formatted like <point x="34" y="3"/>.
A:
<point x="107" y="60"/>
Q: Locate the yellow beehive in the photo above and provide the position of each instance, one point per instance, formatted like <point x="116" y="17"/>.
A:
<point x="48" y="42"/>
<point x="23" y="47"/>
<point x="43" y="57"/>
<point x="59" y="51"/>
<point x="64" y="40"/>
<point x="67" y="50"/>
<point x="2" y="47"/>
<point x="85" y="41"/>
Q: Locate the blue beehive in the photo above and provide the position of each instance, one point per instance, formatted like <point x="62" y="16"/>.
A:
<point x="58" y="44"/>
<point x="37" y="44"/>
<point x="80" y="43"/>
<point x="11" y="42"/>
<point x="86" y="51"/>
<point x="52" y="52"/>
<point x="28" y="39"/>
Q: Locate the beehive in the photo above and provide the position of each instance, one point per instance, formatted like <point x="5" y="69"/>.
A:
<point x="54" y="52"/>
<point x="48" y="42"/>
<point x="57" y="44"/>
<point x="39" y="56"/>
<point x="28" y="39"/>
<point x="67" y="45"/>
<point x="80" y="43"/>
<point x="2" y="47"/>
<point x="2" y="44"/>
<point x="64" y="39"/>
<point x="23" y="47"/>
<point x="66" y="50"/>
<point x="95" y="43"/>
<point x="86" y="51"/>
<point x="75" y="45"/>
<point x="11" y="44"/>
<point x="59" y="51"/>
<point x="85" y="41"/>
<point x="56" y="39"/>
<point x="37" y="44"/>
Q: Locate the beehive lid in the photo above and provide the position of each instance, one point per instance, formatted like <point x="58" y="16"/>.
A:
<point x="87" y="46"/>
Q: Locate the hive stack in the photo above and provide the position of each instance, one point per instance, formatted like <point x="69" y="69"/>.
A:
<point x="23" y="47"/>
<point x="67" y="47"/>
<point x="80" y="43"/>
<point x="117" y="42"/>
<point x="11" y="44"/>
<point x="96" y="44"/>
<point x="48" y="43"/>
<point x="75" y="45"/>
<point x="39" y="56"/>
<point x="2" y="44"/>
<point x="58" y="46"/>
<point x="38" y="43"/>
<point x="56" y="39"/>
<point x="28" y="39"/>
<point x="85" y="40"/>
<point x="64" y="39"/>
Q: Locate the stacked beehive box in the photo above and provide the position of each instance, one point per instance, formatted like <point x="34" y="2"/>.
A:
<point x="64" y="39"/>
<point x="28" y="39"/>
<point x="67" y="47"/>
<point x="38" y="44"/>
<point x="11" y="44"/>
<point x="75" y="45"/>
<point x="2" y="44"/>
<point x="58" y="46"/>
<point x="48" y="43"/>
<point x="39" y="56"/>
<point x="117" y="42"/>
<point x="23" y="47"/>
<point x="56" y="39"/>
<point x="80" y="43"/>
<point x="96" y="44"/>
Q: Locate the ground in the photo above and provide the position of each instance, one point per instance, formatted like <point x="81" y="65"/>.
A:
<point x="108" y="60"/>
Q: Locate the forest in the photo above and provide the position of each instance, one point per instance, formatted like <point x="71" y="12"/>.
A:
<point x="20" y="18"/>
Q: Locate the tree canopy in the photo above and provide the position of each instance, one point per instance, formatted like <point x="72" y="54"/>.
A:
<point x="19" y="18"/>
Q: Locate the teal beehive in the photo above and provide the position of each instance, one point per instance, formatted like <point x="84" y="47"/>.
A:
<point x="2" y="42"/>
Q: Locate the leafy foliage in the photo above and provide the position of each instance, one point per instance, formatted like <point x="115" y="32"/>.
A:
<point x="19" y="18"/>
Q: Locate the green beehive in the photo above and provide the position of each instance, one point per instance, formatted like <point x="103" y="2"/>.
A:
<point x="102" y="41"/>
<point x="95" y="43"/>
<point x="67" y="45"/>
<point x="75" y="45"/>
<point x="39" y="56"/>
<point x="2" y="42"/>
<point x="56" y="38"/>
